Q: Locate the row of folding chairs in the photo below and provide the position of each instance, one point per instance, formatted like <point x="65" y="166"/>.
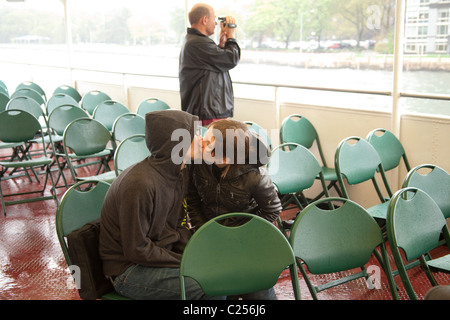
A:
<point x="224" y="260"/>
<point x="293" y="169"/>
<point x="89" y="139"/>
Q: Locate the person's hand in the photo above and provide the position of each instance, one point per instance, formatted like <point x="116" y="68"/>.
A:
<point x="229" y="31"/>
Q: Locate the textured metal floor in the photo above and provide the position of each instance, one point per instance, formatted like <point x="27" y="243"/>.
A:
<point x="33" y="267"/>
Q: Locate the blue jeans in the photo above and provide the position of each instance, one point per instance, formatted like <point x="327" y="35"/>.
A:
<point x="146" y="283"/>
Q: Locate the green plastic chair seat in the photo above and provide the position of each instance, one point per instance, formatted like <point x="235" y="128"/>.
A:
<point x="329" y="173"/>
<point x="91" y="155"/>
<point x="41" y="161"/>
<point x="442" y="263"/>
<point x="379" y="211"/>
<point x="108" y="177"/>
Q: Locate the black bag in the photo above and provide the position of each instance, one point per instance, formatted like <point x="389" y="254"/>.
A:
<point x="83" y="245"/>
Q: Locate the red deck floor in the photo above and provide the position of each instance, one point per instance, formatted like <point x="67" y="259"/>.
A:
<point x="33" y="267"/>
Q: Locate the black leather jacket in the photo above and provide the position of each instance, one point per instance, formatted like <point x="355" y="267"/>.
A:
<point x="245" y="188"/>
<point x="205" y="85"/>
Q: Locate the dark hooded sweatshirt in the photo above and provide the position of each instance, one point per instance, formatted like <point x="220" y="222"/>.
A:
<point x="142" y="215"/>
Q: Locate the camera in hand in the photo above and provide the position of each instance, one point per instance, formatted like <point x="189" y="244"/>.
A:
<point x="230" y="25"/>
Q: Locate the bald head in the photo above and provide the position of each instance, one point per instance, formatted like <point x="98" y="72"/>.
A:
<point x="199" y="11"/>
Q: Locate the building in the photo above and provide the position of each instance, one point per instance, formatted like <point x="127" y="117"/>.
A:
<point x="427" y="27"/>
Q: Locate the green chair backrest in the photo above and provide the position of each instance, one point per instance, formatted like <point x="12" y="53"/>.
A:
<point x="18" y="126"/>
<point x="4" y="88"/>
<point x="130" y="151"/>
<point x="32" y="85"/>
<point x="4" y="99"/>
<point x="26" y="104"/>
<point x="60" y="99"/>
<point x="108" y="111"/>
<point x="128" y="124"/>
<point x="414" y="222"/>
<point x="63" y="115"/>
<point x="296" y="128"/>
<point x="334" y="240"/>
<point x="70" y="91"/>
<point x="236" y="260"/>
<point x="86" y="136"/>
<point x="292" y="168"/>
<point x="92" y="99"/>
<point x="260" y="131"/>
<point x="28" y="92"/>
<point x="357" y="160"/>
<point x="151" y="104"/>
<point x="389" y="148"/>
<point x="79" y="207"/>
<point x="435" y="181"/>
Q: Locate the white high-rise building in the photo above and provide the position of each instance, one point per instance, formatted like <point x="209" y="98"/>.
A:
<point x="427" y="28"/>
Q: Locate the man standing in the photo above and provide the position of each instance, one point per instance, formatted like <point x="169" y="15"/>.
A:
<point x="205" y="84"/>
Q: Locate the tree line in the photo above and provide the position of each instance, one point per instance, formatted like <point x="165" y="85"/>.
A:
<point x="285" y="21"/>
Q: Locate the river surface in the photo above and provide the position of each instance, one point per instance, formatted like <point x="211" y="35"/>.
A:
<point x="165" y="62"/>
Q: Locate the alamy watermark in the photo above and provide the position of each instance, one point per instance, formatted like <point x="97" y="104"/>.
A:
<point x="374" y="20"/>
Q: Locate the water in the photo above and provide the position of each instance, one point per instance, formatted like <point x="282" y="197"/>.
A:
<point x="164" y="61"/>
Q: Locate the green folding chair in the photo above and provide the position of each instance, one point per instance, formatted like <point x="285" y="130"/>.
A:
<point x="30" y="93"/>
<point x="4" y="99"/>
<point x="151" y="104"/>
<point x="414" y="224"/>
<point x="59" y="99"/>
<point x="298" y="129"/>
<point x="82" y="203"/>
<point x="33" y="86"/>
<point x="330" y="241"/>
<point x="435" y="181"/>
<point x="68" y="90"/>
<point x="92" y="99"/>
<point x="294" y="169"/>
<point x="108" y="111"/>
<point x="87" y="139"/>
<point x="18" y="126"/>
<point x="237" y="260"/>
<point x="357" y="161"/>
<point x="58" y="120"/>
<point x="253" y="126"/>
<point x="126" y="125"/>
<point x="130" y="151"/>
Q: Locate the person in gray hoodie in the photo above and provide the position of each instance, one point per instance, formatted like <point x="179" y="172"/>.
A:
<point x="143" y="228"/>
